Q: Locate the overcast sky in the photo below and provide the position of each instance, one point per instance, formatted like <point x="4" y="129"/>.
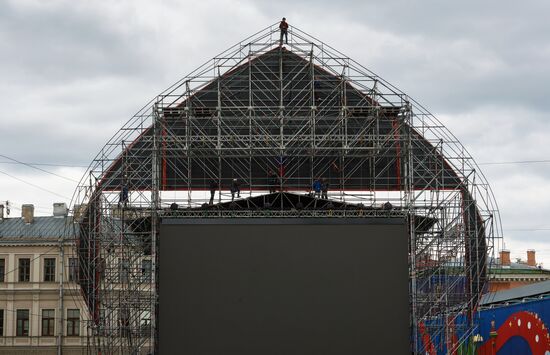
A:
<point x="73" y="72"/>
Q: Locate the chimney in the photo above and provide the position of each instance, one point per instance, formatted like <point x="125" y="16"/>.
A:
<point x="27" y="212"/>
<point x="60" y="209"/>
<point x="1" y="212"/>
<point x="505" y="257"/>
<point x="531" y="261"/>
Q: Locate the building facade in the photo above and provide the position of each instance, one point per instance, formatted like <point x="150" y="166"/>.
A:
<point x="41" y="307"/>
<point x="505" y="274"/>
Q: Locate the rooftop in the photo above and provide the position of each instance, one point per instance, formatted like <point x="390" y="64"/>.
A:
<point x="536" y="290"/>
<point x="514" y="268"/>
<point x="46" y="227"/>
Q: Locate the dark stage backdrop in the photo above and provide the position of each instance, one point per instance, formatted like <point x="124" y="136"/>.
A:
<point x="283" y="286"/>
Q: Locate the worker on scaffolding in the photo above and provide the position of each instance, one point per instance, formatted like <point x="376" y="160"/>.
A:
<point x="324" y="189"/>
<point x="316" y="187"/>
<point x="213" y="188"/>
<point x="272" y="181"/>
<point x="235" y="188"/>
<point x="283" y="26"/>
<point x="124" y="196"/>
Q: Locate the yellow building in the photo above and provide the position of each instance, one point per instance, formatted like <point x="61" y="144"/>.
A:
<point x="41" y="308"/>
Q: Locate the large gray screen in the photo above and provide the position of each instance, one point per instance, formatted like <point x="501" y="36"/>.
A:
<point x="284" y="286"/>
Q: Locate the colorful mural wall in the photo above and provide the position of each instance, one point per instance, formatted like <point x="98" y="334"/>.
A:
<point x="515" y="329"/>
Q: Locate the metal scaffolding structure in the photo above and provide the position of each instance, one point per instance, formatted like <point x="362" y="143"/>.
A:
<point x="276" y="118"/>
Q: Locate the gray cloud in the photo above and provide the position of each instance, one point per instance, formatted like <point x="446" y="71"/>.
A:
<point x="63" y="43"/>
<point x="450" y="55"/>
<point x="74" y="72"/>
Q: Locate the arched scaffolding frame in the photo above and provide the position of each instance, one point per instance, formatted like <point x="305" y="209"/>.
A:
<point x="277" y="117"/>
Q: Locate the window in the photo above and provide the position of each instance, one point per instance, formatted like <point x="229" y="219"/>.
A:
<point x="1" y="322"/>
<point x="73" y="322"/>
<point x="146" y="270"/>
<point x="24" y="270"/>
<point x="48" y="322"/>
<point x="49" y="269"/>
<point x="2" y="269"/>
<point x="73" y="270"/>
<point x="22" y="322"/>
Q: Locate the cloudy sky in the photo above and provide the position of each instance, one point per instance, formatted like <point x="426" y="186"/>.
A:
<point x="72" y="72"/>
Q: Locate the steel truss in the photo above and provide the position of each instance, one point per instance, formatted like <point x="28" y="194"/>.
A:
<point x="269" y="115"/>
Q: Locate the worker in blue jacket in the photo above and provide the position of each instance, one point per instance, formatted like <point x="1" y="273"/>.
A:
<point x="316" y="187"/>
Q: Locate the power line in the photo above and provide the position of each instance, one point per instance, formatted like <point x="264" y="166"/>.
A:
<point x="48" y="164"/>
<point x="33" y="165"/>
<point x="527" y="229"/>
<point x="516" y="162"/>
<point x="37" y="168"/>
<point x="33" y="185"/>
<point x="16" y="205"/>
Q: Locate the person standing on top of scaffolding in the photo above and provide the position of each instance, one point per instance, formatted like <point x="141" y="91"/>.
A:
<point x="283" y="26"/>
